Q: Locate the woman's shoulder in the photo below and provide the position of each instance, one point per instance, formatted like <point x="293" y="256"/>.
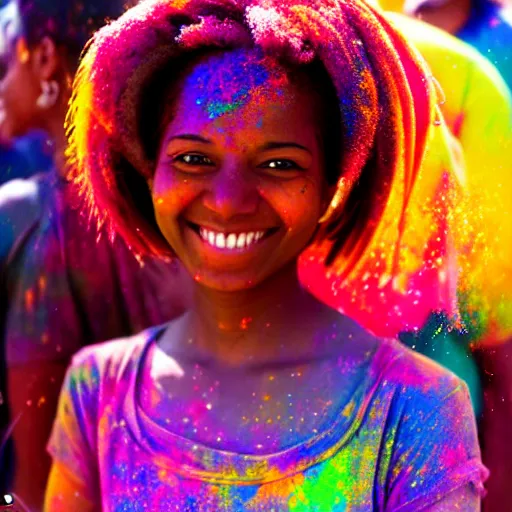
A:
<point x="413" y="375"/>
<point x="390" y="361"/>
<point x="396" y="376"/>
<point x="424" y="414"/>
<point x="110" y="360"/>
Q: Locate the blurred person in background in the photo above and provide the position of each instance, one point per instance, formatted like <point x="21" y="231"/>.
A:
<point x="25" y="156"/>
<point x="478" y="112"/>
<point x="32" y="153"/>
<point x="63" y="284"/>
<point x="484" y="24"/>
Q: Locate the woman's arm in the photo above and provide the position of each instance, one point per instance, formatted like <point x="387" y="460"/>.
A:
<point x="65" y="493"/>
<point x="74" y="478"/>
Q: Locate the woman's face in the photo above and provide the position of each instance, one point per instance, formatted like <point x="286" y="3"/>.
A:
<point x="19" y="88"/>
<point x="239" y="185"/>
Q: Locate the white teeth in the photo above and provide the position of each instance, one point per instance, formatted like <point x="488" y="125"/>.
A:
<point x="220" y="241"/>
<point x="231" y="240"/>
<point x="240" y="243"/>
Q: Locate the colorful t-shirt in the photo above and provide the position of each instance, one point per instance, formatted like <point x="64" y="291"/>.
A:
<point x="402" y="440"/>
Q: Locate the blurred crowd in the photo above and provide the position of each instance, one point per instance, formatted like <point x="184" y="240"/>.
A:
<point x="64" y="284"/>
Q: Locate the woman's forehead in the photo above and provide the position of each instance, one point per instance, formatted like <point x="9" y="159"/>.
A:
<point x="231" y="81"/>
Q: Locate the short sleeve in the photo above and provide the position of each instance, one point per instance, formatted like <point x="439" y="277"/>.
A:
<point x="73" y="441"/>
<point x="436" y="451"/>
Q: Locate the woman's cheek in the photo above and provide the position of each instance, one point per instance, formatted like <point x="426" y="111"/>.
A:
<point x="295" y="201"/>
<point x="171" y="194"/>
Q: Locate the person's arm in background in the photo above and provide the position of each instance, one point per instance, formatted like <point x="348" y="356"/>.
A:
<point x="33" y="391"/>
<point x="15" y="199"/>
<point x="30" y="390"/>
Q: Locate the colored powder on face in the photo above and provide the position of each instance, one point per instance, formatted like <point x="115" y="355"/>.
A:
<point x="229" y="82"/>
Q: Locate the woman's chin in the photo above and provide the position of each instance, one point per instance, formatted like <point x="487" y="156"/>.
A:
<point x="227" y="281"/>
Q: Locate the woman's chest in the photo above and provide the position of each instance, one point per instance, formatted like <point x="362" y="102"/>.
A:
<point x="256" y="412"/>
<point x="133" y="479"/>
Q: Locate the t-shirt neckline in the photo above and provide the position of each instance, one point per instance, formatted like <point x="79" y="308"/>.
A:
<point x="194" y="460"/>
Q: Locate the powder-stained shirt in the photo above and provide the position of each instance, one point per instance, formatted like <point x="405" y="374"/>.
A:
<point x="402" y="440"/>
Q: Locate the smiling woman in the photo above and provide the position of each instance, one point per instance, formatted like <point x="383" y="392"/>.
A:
<point x="239" y="185"/>
<point x="232" y="135"/>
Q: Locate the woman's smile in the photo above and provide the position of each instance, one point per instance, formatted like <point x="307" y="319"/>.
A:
<point x="229" y="245"/>
<point x="232" y="240"/>
<point x="238" y="194"/>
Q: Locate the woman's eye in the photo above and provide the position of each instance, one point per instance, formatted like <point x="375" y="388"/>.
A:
<point x="282" y="165"/>
<point x="193" y="159"/>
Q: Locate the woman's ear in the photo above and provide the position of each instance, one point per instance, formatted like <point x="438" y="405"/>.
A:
<point x="46" y="59"/>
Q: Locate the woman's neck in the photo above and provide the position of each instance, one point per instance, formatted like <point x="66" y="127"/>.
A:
<point x="273" y="322"/>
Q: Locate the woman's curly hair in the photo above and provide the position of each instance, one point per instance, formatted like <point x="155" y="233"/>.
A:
<point x="385" y="97"/>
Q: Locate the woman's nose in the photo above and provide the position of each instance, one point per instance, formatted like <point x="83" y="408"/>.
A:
<point x="233" y="192"/>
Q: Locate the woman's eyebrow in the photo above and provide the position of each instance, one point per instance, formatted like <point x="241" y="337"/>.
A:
<point x="265" y="147"/>
<point x="190" y="136"/>
<point x="280" y="145"/>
